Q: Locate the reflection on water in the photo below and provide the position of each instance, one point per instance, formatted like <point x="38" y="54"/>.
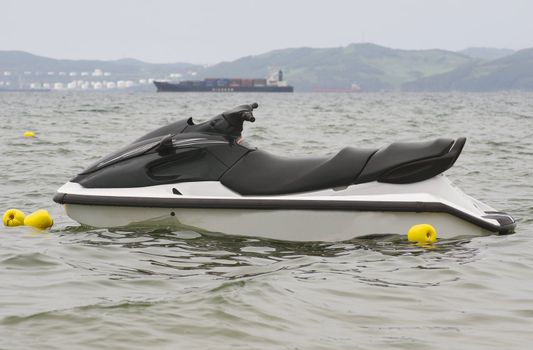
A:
<point x="172" y="254"/>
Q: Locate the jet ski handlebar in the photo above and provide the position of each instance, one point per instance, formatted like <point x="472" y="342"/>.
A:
<point x="239" y="114"/>
<point x="228" y="123"/>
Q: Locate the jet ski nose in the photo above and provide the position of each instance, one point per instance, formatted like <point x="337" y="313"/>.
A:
<point x="506" y="221"/>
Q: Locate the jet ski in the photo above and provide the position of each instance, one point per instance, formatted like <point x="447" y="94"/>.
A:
<point x="204" y="177"/>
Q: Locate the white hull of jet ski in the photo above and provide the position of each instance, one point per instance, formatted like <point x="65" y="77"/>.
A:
<point x="326" y="215"/>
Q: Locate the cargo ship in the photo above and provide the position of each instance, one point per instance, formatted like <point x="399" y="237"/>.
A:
<point x="274" y="83"/>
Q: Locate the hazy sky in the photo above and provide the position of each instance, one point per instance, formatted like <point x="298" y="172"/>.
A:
<point x="209" y="31"/>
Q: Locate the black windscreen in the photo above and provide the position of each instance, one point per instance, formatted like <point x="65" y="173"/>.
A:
<point x="188" y="165"/>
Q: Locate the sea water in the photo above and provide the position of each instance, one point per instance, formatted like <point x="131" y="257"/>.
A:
<point x="75" y="287"/>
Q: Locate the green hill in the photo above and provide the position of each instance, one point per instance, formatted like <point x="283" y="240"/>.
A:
<point x="513" y="72"/>
<point x="372" y="67"/>
<point x="486" y="53"/>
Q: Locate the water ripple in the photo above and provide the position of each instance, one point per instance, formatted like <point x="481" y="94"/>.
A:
<point x="77" y="287"/>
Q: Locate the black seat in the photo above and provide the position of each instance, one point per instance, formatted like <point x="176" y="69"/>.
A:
<point x="262" y="173"/>
<point x="407" y="162"/>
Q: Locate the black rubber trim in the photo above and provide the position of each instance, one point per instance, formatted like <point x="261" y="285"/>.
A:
<point x="506" y="221"/>
<point x="279" y="204"/>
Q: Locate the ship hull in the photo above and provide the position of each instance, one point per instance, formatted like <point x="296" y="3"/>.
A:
<point x="170" y="87"/>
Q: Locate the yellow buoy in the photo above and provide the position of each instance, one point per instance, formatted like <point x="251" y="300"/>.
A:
<point x="423" y="234"/>
<point x="39" y="219"/>
<point x="14" y="217"/>
<point x="29" y="134"/>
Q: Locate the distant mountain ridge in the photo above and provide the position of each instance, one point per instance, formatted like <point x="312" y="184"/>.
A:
<point x="20" y="61"/>
<point x="372" y="67"/>
<point x="513" y="72"/>
<point x="486" y="53"/>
